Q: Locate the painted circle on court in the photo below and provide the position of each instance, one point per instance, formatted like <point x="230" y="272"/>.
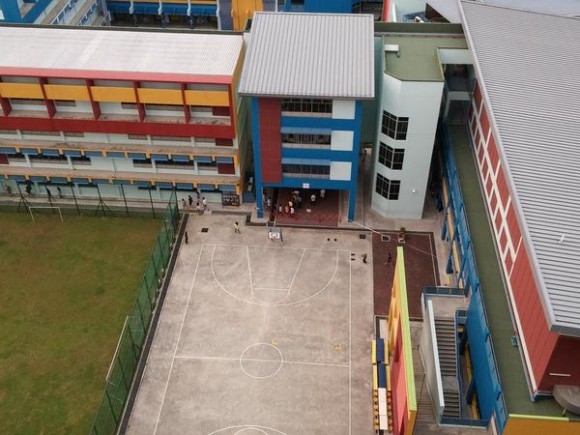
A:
<point x="261" y="360"/>
<point x="251" y="431"/>
<point x="248" y="429"/>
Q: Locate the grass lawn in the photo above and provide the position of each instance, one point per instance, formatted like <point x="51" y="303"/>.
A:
<point x="65" y="289"/>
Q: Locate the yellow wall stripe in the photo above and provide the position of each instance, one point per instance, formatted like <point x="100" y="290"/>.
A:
<point x="21" y="90"/>
<point x="207" y="98"/>
<point x="67" y="92"/>
<point x="113" y="94"/>
<point x="160" y="96"/>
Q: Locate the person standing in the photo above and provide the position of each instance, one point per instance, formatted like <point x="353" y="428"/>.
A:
<point x="190" y="200"/>
<point x="58" y="189"/>
<point x="186" y="238"/>
<point x="312" y="200"/>
<point x="49" y="193"/>
<point x="292" y="211"/>
<point x="237" y="227"/>
<point x="204" y="202"/>
<point x="269" y="203"/>
<point x="183" y="203"/>
<point x="322" y="193"/>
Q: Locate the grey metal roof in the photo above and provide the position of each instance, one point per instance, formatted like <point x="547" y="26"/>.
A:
<point x="529" y="64"/>
<point x="113" y="51"/>
<point x="450" y="9"/>
<point x="310" y="55"/>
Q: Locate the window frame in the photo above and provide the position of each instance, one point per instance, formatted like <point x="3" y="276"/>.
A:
<point x="388" y="189"/>
<point x="395" y="127"/>
<point x="390" y="157"/>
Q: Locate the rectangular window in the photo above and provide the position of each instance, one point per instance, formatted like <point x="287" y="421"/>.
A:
<point x="82" y="160"/>
<point x="137" y="137"/>
<point x="164" y="107"/>
<point x="142" y="163"/>
<point x="73" y="134"/>
<point x="394" y="127"/>
<point x="306" y="105"/>
<point x="306" y="139"/>
<point x="388" y="189"/>
<point x="40" y="158"/>
<point x="172" y="138"/>
<point x="391" y="157"/>
<point x="129" y="106"/>
<point x="172" y="164"/>
<point x="65" y="103"/>
<point x="316" y="171"/>
<point x="25" y="101"/>
<point x="40" y="133"/>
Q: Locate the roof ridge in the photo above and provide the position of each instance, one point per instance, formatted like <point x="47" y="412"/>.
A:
<point x="496" y="6"/>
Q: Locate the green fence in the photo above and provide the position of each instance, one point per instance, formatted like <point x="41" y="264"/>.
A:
<point x="124" y="364"/>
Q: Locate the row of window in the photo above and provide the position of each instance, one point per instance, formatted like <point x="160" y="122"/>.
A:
<point x="306" y="170"/>
<point x="308" y="105"/>
<point x="391" y="157"/>
<point x="307" y="139"/>
<point x="388" y="189"/>
<point x="394" y="127"/>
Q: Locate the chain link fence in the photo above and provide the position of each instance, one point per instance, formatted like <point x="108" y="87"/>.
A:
<point x="124" y="364"/>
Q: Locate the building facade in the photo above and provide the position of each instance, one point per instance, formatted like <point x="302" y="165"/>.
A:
<point x="306" y="115"/>
<point x="54" y="12"/>
<point x="417" y="59"/>
<point x="139" y="122"/>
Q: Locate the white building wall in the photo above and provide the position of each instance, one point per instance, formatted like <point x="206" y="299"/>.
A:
<point x="420" y="102"/>
<point x="341" y="140"/>
<point x="343" y="109"/>
<point x="340" y="171"/>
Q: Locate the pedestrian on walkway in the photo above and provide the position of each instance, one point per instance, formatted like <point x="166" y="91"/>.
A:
<point x="390" y="259"/>
<point x="49" y="193"/>
<point x="280" y="208"/>
<point x="58" y="189"/>
<point x="183" y="203"/>
<point x="364" y="258"/>
<point x="190" y="200"/>
<point x="237" y="227"/>
<point x="322" y="193"/>
<point x="186" y="238"/>
<point x="286" y="209"/>
<point x="269" y="203"/>
<point x="312" y="200"/>
<point x="292" y="211"/>
<point x="204" y="202"/>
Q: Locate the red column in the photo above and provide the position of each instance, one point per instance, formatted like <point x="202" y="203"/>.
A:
<point x="94" y="104"/>
<point x="140" y="107"/>
<point x="50" y="107"/>
<point x="5" y="104"/>
<point x="186" y="111"/>
<point x="270" y="140"/>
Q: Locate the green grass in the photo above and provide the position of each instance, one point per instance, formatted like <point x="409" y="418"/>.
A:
<point x="65" y="289"/>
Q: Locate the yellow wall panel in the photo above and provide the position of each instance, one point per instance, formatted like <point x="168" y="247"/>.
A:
<point x="67" y="92"/>
<point x="21" y="90"/>
<point x="242" y="10"/>
<point x="111" y="94"/>
<point x="160" y="96"/>
<point x="207" y="98"/>
<point x="530" y="425"/>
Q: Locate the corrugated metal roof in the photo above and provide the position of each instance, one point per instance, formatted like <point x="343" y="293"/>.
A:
<point x="530" y="67"/>
<point x="450" y="9"/>
<point x="119" y="51"/>
<point x="303" y="55"/>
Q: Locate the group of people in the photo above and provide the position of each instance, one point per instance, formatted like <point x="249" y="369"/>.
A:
<point x="200" y="207"/>
<point x="294" y="202"/>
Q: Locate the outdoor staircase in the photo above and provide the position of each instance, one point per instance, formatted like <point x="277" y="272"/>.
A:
<point x="447" y="345"/>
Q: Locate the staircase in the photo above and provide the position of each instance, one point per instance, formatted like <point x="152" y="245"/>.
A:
<point x="447" y="345"/>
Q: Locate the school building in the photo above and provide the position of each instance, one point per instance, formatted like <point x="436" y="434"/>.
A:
<point x="55" y="12"/>
<point x="121" y="113"/>
<point x="306" y="76"/>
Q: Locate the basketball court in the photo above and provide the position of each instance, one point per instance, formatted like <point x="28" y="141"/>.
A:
<point x="257" y="336"/>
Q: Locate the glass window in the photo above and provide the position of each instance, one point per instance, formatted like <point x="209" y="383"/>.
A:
<point x="388" y="189"/>
<point x="391" y="157"/>
<point x="394" y="127"/>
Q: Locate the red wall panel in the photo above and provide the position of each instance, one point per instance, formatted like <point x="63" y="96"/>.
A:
<point x="477" y="96"/>
<point x="565" y="360"/>
<point x="118" y="127"/>
<point x="514" y="229"/>
<point x="492" y="203"/>
<point x="498" y="221"/>
<point x="488" y="186"/>
<point x="484" y="121"/>
<point x="508" y="263"/>
<point x="502" y="240"/>
<point x="502" y="187"/>
<point x="492" y="152"/>
<point x="270" y="140"/>
<point x="484" y="169"/>
<point x="539" y="340"/>
<point x="3" y="159"/>
<point x="480" y="154"/>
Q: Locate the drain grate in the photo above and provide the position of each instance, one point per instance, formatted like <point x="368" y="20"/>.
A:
<point x="385" y="239"/>
<point x="362" y="236"/>
<point x="204" y="230"/>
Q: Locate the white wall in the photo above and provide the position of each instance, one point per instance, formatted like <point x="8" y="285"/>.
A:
<point x="343" y="109"/>
<point x="341" y="140"/>
<point x="340" y="170"/>
<point x="420" y="101"/>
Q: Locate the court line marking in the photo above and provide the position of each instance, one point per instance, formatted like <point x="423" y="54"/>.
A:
<point x="281" y="360"/>
<point x="286" y="248"/>
<point x="225" y="358"/>
<point x="252" y="429"/>
<point x="295" y="273"/>
<point x="178" y="340"/>
<point x="251" y="290"/>
<point x="272" y="289"/>
<point x="247" y="426"/>
<point x="350" y="347"/>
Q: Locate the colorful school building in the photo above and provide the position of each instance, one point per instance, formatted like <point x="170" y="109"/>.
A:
<point x="55" y="12"/>
<point x="119" y="114"/>
<point x="306" y="118"/>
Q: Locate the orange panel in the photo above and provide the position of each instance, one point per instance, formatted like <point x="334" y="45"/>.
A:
<point x="21" y="90"/>
<point x="160" y="96"/>
<point x="111" y="94"/>
<point x="67" y="92"/>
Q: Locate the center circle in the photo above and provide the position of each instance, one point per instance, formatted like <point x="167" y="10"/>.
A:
<point x="261" y="360"/>
<point x="251" y="431"/>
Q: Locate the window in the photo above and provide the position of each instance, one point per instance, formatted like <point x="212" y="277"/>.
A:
<point x="173" y="164"/>
<point x="318" y="171"/>
<point x="391" y="157"/>
<point x="41" y="158"/>
<point x="306" y="105"/>
<point x="129" y="106"/>
<point x="165" y="107"/>
<point x="82" y="160"/>
<point x="142" y="163"/>
<point x="395" y="127"/>
<point x="306" y="139"/>
<point x="388" y="188"/>
<point x="73" y="134"/>
<point x="137" y="137"/>
<point x="40" y="133"/>
<point x="30" y="102"/>
<point x="65" y="103"/>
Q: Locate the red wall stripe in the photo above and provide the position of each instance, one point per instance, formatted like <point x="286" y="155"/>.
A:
<point x="539" y="340"/>
<point x="513" y="226"/>
<point x="484" y="121"/>
<point x="502" y="187"/>
<point x="477" y="96"/>
<point x="493" y="154"/>
<point x="270" y="140"/>
<point x="117" y="127"/>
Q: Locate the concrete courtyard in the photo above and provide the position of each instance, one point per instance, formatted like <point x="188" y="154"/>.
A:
<point x="260" y="337"/>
